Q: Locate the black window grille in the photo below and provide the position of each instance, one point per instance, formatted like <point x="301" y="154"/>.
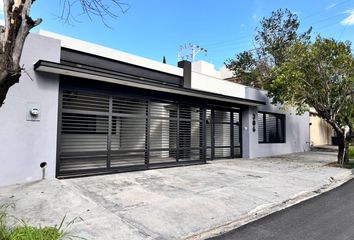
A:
<point x="271" y="128"/>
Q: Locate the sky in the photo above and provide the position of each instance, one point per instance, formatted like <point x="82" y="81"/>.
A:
<point x="157" y="28"/>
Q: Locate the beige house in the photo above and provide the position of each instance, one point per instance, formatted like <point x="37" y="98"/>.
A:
<point x="320" y="131"/>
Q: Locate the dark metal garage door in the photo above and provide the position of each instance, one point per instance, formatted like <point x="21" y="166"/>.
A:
<point x="102" y="133"/>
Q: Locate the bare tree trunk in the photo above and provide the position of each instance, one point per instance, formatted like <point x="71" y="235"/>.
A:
<point x="343" y="142"/>
<point x="341" y="148"/>
<point x="346" y="151"/>
<point x="18" y="23"/>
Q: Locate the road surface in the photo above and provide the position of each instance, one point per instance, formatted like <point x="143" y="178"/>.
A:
<point x="329" y="216"/>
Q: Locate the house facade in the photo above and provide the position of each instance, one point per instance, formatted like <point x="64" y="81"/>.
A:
<point x="82" y="109"/>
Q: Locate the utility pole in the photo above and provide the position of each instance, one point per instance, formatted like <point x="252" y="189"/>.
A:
<point x="190" y="51"/>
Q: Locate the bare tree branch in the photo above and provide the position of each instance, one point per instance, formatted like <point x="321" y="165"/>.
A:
<point x="102" y="9"/>
<point x="18" y="23"/>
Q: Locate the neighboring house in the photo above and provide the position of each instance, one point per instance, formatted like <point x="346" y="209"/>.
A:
<point x="321" y="132"/>
<point x="83" y="109"/>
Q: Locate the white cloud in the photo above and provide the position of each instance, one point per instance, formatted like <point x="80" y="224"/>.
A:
<point x="2" y="22"/>
<point x="331" y="6"/>
<point x="350" y="19"/>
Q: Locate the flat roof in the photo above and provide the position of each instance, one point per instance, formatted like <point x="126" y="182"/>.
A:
<point x="110" y="53"/>
<point x="86" y="72"/>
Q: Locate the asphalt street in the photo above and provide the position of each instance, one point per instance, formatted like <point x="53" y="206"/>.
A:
<point x="329" y="216"/>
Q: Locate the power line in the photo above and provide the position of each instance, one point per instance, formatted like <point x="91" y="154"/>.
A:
<point x="321" y="11"/>
<point x="229" y="44"/>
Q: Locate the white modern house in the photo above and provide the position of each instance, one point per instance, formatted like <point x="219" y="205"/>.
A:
<point x="82" y="109"/>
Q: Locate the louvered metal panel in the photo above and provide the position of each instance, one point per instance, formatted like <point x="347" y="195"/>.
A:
<point x="271" y="128"/>
<point x="128" y="132"/>
<point x="209" y="134"/>
<point x="84" y="131"/>
<point x="222" y="134"/>
<point x="237" y="135"/>
<point x="260" y="127"/>
<point x="190" y="133"/>
<point x="85" y="101"/>
<point x="107" y="132"/>
<point x="163" y="132"/>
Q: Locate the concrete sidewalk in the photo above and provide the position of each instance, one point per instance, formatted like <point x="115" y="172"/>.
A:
<point x="185" y="202"/>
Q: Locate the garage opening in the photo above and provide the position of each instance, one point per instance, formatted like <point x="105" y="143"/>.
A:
<point x="103" y="132"/>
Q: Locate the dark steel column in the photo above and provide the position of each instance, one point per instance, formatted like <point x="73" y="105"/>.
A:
<point x="204" y="143"/>
<point x="60" y="103"/>
<point x="177" y="133"/>
<point x="212" y="134"/>
<point x="232" y="143"/>
<point x="147" y="134"/>
<point x="109" y="136"/>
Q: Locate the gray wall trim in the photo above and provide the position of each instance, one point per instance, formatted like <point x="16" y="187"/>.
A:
<point x="75" y="58"/>
<point x="82" y="72"/>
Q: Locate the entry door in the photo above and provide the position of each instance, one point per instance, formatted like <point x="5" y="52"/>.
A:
<point x="223" y="134"/>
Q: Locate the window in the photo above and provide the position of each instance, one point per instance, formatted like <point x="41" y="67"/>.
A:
<point x="271" y="128"/>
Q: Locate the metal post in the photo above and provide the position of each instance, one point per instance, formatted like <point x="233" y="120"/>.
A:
<point x="147" y="134"/>
<point x="212" y="134"/>
<point x="204" y="144"/>
<point x="232" y="144"/>
<point x="177" y="134"/>
<point x="109" y="137"/>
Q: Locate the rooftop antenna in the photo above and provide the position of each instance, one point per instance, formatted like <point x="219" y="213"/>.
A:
<point x="190" y="51"/>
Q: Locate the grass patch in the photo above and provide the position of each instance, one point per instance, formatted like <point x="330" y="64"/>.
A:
<point x="36" y="233"/>
<point x="351" y="152"/>
<point x="20" y="230"/>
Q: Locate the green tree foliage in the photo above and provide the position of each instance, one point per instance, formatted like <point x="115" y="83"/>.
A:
<point x="275" y="35"/>
<point x="319" y="75"/>
<point x="301" y="74"/>
<point x="245" y="69"/>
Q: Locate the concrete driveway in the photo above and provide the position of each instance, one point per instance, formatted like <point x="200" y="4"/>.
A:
<point x="176" y="203"/>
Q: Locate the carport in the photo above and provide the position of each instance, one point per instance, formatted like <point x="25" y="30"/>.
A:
<point x="116" y="117"/>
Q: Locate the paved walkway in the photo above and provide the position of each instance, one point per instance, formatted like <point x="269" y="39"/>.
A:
<point x="184" y="202"/>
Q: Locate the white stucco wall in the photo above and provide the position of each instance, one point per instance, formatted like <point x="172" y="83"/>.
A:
<point x="25" y="144"/>
<point x="98" y="50"/>
<point x="210" y="84"/>
<point x="297" y="135"/>
<point x="297" y="127"/>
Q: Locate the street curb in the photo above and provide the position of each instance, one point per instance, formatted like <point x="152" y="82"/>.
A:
<point x="264" y="210"/>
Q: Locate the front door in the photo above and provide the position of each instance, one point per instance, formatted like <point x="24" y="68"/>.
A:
<point x="223" y="133"/>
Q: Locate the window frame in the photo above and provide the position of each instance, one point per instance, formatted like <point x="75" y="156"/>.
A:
<point x="282" y="118"/>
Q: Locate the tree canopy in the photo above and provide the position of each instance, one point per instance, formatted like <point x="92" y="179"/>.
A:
<point x="321" y="76"/>
<point x="274" y="36"/>
<point x="302" y="74"/>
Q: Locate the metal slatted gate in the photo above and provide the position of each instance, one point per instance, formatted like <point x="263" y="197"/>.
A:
<point x="223" y="133"/>
<point x="106" y="133"/>
<point x="102" y="133"/>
